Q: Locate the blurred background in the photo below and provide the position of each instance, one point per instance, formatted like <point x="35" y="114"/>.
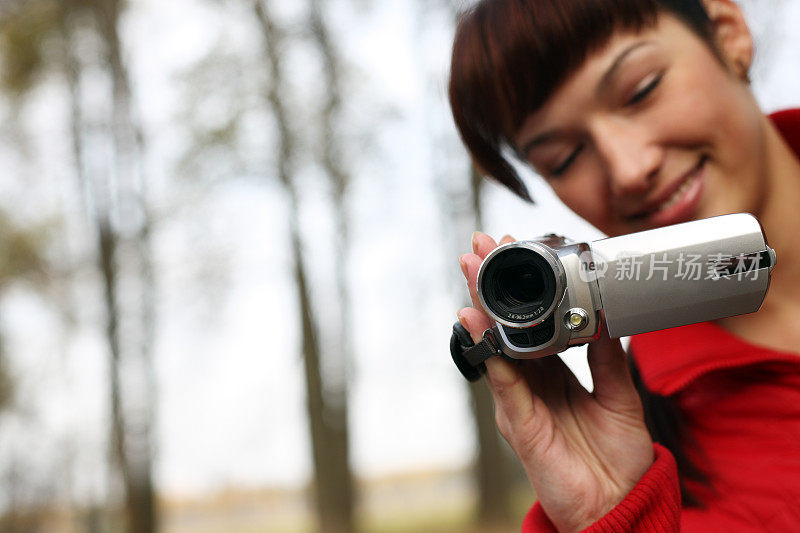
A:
<point x="229" y="234"/>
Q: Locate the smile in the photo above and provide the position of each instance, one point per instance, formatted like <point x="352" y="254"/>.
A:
<point x="679" y="204"/>
<point x="676" y="196"/>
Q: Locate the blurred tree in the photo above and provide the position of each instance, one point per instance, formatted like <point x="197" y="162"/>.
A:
<point x="116" y="205"/>
<point x="128" y="243"/>
<point x="460" y="198"/>
<point x="492" y="467"/>
<point x="21" y="45"/>
<point x="21" y="258"/>
<point x="326" y="398"/>
<point x="339" y="495"/>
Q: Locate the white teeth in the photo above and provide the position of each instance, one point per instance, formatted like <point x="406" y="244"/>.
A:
<point x="677" y="194"/>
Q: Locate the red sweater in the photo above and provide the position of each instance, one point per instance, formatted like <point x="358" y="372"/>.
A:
<point x="742" y="406"/>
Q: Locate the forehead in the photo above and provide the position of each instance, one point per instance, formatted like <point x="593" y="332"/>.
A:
<point x="581" y="89"/>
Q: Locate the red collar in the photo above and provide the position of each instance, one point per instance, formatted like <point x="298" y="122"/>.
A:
<point x="788" y="124"/>
<point x="670" y="359"/>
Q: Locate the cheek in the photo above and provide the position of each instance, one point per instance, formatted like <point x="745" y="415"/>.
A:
<point x="728" y="192"/>
<point x="587" y="197"/>
<point x="715" y="110"/>
<point x="695" y="113"/>
<point x="726" y="121"/>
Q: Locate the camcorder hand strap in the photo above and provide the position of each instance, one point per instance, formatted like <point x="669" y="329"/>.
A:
<point x="468" y="356"/>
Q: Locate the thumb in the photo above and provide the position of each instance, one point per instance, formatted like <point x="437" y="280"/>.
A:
<point x="476" y="322"/>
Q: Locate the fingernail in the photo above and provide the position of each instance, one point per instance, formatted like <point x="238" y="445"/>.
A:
<point x="508" y="238"/>
<point x="461" y="320"/>
<point x="475" y="240"/>
<point x="463" y="265"/>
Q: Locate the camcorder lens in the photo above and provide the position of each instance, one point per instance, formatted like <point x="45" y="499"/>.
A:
<point x="521" y="284"/>
<point x="518" y="285"/>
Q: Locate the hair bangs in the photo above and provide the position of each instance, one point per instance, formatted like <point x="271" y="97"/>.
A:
<point x="509" y="56"/>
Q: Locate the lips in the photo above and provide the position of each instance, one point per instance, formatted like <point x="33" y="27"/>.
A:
<point x="670" y="196"/>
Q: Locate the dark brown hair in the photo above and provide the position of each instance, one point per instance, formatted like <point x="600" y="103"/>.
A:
<point x="510" y="55"/>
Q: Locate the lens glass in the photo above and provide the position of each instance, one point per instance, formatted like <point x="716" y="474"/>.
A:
<point x="518" y="284"/>
<point x="521" y="284"/>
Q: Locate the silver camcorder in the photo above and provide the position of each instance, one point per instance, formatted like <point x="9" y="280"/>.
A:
<point x="551" y="293"/>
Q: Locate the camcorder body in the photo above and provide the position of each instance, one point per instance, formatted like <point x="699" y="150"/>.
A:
<point x="550" y="293"/>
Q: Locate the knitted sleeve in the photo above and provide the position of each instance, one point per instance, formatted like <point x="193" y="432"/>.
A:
<point x="652" y="506"/>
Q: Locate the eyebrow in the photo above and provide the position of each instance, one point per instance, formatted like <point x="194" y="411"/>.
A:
<point x="609" y="74"/>
<point x="602" y="86"/>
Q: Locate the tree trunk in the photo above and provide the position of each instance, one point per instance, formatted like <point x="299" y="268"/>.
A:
<point x="340" y="485"/>
<point x="128" y="146"/>
<point x="492" y="468"/>
<point x="325" y="423"/>
<point x="132" y="408"/>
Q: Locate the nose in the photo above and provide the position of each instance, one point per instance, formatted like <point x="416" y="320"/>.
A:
<point x="629" y="154"/>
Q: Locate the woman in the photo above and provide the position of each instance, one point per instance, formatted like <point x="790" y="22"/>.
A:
<point x="638" y="113"/>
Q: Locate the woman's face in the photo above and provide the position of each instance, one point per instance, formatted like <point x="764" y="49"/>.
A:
<point x="652" y="130"/>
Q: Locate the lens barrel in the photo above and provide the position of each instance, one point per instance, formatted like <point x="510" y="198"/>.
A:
<point x="518" y="285"/>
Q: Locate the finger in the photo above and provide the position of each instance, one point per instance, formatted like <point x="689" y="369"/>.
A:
<point x="482" y="244"/>
<point x="613" y="386"/>
<point x="472" y="264"/>
<point x="552" y="380"/>
<point x="527" y="436"/>
<point x="475" y="321"/>
<point x="507" y="239"/>
<point x="500" y="418"/>
<point x="512" y="396"/>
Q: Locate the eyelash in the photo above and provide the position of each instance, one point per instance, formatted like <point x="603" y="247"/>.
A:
<point x="635" y="99"/>
<point x="560" y="169"/>
<point x="647" y="89"/>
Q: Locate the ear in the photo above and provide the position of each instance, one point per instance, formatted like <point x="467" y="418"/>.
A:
<point x="732" y="34"/>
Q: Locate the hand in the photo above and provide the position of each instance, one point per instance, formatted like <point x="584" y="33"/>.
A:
<point x="582" y="452"/>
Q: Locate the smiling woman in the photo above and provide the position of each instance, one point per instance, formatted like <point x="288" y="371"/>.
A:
<point x="639" y="114"/>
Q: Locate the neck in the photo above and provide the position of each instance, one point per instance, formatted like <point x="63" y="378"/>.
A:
<point x="773" y="326"/>
<point x="779" y="214"/>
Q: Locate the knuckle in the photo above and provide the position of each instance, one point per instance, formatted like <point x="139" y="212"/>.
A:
<point x="504" y="385"/>
<point x="532" y="440"/>
<point x="503" y="425"/>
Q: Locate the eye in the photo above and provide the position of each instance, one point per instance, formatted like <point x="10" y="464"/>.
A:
<point x="642" y="93"/>
<point x="563" y="167"/>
